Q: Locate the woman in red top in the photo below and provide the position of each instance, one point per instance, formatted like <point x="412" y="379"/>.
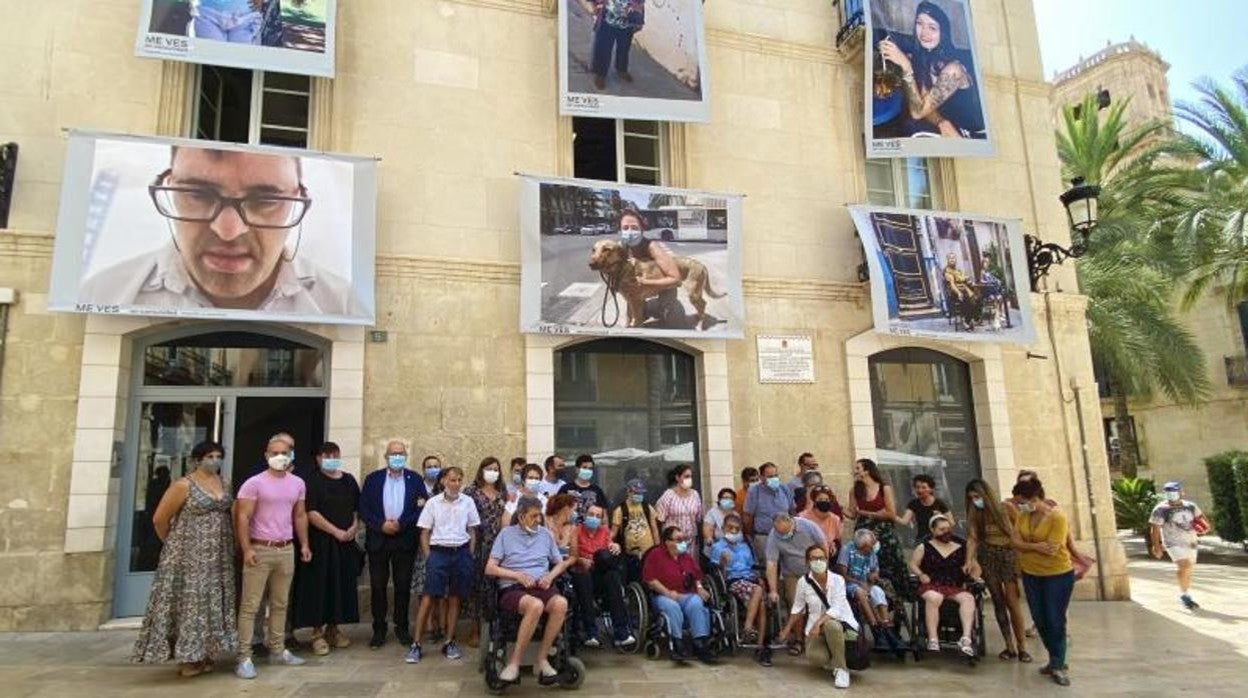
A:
<point x="675" y="580"/>
<point x="598" y="569"/>
<point x="873" y="507"/>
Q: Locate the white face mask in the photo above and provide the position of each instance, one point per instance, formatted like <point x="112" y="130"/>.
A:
<point x="532" y="485"/>
<point x="818" y="566"/>
<point x="1172" y="496"/>
<point x="490" y="476"/>
<point x="687" y="483"/>
<point x="279" y="461"/>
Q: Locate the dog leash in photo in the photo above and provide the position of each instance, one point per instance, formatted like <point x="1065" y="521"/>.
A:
<point x="614" y="299"/>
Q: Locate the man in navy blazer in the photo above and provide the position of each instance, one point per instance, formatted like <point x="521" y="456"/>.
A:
<point x="390" y="505"/>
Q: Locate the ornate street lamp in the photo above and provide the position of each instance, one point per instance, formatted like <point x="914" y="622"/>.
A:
<point x="1080" y="203"/>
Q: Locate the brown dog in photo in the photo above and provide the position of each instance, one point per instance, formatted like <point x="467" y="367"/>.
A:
<point x="622" y="274"/>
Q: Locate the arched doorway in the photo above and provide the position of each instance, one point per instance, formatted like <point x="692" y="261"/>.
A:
<point x="924" y="416"/>
<point x="630" y="403"/>
<point x="236" y="387"/>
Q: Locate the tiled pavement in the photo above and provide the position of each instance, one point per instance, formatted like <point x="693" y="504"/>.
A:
<point x="1147" y="647"/>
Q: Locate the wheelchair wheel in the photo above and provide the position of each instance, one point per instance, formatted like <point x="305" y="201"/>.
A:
<point x="492" y="664"/>
<point x="573" y="674"/>
<point x="638" y="614"/>
<point x="653" y="651"/>
<point x="732" y="621"/>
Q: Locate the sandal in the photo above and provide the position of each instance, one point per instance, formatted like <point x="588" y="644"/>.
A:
<point x="186" y="671"/>
<point x="750" y="636"/>
<point x="1024" y="657"/>
<point x="796" y="649"/>
<point x="1008" y="654"/>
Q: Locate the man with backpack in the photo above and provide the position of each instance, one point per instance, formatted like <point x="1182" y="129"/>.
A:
<point x="634" y="527"/>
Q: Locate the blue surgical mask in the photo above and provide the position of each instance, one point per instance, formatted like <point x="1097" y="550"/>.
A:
<point x="329" y="465"/>
<point x="432" y="473"/>
<point x="682" y="547"/>
<point x="592" y="522"/>
<point x="630" y="237"/>
<point x="1172" y="496"/>
<point x="727" y="503"/>
<point x="774" y="482"/>
<point x="786" y="536"/>
<point x="977" y="503"/>
<point x="397" y="461"/>
<point x="531" y="484"/>
<point x="516" y="478"/>
<point x="585" y="474"/>
<point x="638" y="498"/>
<point x="732" y="537"/>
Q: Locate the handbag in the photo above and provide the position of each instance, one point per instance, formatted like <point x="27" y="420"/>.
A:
<point x="1201" y="525"/>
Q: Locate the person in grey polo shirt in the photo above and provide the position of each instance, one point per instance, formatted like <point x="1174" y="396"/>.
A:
<point x="763" y="501"/>
<point x="785" y="552"/>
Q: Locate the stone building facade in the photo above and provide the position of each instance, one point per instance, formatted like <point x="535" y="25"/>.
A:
<point x="455" y="96"/>
<point x="1172" y="439"/>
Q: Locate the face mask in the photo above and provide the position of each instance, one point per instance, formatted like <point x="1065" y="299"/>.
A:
<point x="774" y="482"/>
<point x="279" y="461"/>
<point x="290" y="464"/>
<point x="638" y="498"/>
<point x="490" y="476"/>
<point x="876" y="548"/>
<point x="592" y="522"/>
<point x="211" y="465"/>
<point x="727" y="503"/>
<point x="823" y="506"/>
<point x="529" y="529"/>
<point x="397" y="461"/>
<point x="532" y="485"/>
<point x="977" y="503"/>
<point x="516" y="478"/>
<point x="329" y="465"/>
<point x="432" y="473"/>
<point x="944" y="537"/>
<point x="585" y="474"/>
<point x="785" y="536"/>
<point x="1026" y="508"/>
<point x="687" y="483"/>
<point x="732" y="537"/>
<point x="682" y="547"/>
<point x="630" y="237"/>
<point x="818" y="566"/>
<point x="1172" y="496"/>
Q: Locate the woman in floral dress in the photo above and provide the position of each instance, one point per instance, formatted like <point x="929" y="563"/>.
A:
<point x="490" y="500"/>
<point x="191" y="616"/>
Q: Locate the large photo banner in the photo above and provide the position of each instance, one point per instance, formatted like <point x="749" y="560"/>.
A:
<point x="633" y="59"/>
<point x="199" y="229"/>
<point x="288" y="36"/>
<point x="924" y="93"/>
<point x="946" y="275"/>
<point x="618" y="259"/>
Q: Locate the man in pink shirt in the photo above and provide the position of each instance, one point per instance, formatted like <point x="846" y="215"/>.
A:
<point x="268" y="517"/>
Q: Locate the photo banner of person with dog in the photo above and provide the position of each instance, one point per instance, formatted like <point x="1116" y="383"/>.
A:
<point x="627" y="260"/>
<point x="200" y="229"/>
<point x="946" y="275"/>
<point x="285" y="36"/>
<point x="924" y="93"/>
<point x="633" y="59"/>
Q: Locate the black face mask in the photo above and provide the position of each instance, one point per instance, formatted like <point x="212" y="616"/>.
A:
<point x="825" y="507"/>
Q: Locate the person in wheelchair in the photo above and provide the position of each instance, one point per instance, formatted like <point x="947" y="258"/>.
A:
<point x="938" y="562"/>
<point x="735" y="559"/>
<point x="859" y="564"/>
<point x="526" y="561"/>
<point x="821" y="598"/>
<point x="597" y="573"/>
<point x="675" y="580"/>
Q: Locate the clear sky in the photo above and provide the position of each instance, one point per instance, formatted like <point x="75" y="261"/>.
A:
<point x="1198" y="38"/>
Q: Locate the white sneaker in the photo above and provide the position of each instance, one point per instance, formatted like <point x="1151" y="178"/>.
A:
<point x="286" y="658"/>
<point x="245" y="670"/>
<point x="840" y="678"/>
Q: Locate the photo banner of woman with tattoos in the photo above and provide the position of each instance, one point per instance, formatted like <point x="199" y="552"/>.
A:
<point x="924" y="92"/>
<point x="946" y="275"/>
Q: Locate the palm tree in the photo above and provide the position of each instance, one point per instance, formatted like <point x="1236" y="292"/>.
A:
<point x="1207" y="190"/>
<point x="1132" y="329"/>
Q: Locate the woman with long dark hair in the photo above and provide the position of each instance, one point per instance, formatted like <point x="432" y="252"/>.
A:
<point x="937" y="78"/>
<point x="989" y="529"/>
<point x="486" y="492"/>
<point x="873" y="507"/>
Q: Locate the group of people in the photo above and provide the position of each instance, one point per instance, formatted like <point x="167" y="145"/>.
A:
<point x="513" y="539"/>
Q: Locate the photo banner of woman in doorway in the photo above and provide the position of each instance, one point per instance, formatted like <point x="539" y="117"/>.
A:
<point x="286" y="36"/>
<point x="600" y="258"/>
<point x="924" y="95"/>
<point x="633" y="59"/>
<point x="946" y="275"/>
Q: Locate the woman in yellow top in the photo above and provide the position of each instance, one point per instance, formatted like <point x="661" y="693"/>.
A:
<point x="988" y="542"/>
<point x="1048" y="575"/>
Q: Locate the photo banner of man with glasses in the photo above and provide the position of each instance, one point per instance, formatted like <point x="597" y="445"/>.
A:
<point x="189" y="228"/>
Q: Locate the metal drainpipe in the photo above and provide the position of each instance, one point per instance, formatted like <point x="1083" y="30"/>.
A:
<point x="4" y="340"/>
<point x="1087" y="476"/>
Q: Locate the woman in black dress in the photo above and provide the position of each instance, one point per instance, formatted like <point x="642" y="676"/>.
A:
<point x="324" y="594"/>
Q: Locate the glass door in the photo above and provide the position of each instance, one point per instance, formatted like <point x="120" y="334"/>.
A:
<point x="161" y="438"/>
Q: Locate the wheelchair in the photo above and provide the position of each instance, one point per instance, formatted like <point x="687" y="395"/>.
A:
<point x="500" y="632"/>
<point x="734" y="613"/>
<point x="899" y="618"/>
<point x="659" y="638"/>
<point x="949" y="625"/>
<point x="636" y="601"/>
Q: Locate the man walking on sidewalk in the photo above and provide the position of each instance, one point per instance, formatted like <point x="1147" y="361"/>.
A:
<point x="269" y="517"/>
<point x="1174" y="525"/>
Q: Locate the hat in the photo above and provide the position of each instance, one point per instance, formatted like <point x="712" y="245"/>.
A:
<point x="637" y="486"/>
<point x="1172" y="486"/>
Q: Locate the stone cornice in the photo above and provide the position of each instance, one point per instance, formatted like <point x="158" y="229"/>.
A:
<point x="25" y="244"/>
<point x="758" y="43"/>
<point x="540" y="8"/>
